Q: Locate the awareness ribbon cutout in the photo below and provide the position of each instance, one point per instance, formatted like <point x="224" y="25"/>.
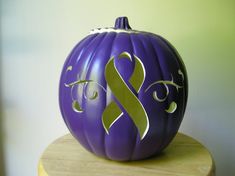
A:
<point x="125" y="96"/>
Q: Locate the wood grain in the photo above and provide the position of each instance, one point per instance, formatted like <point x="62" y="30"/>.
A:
<point x="184" y="157"/>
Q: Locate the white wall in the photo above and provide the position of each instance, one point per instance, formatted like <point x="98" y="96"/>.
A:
<point x="38" y="35"/>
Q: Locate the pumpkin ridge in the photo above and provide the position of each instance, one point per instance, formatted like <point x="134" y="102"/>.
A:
<point x="82" y="103"/>
<point x="145" y="49"/>
<point x="164" y="129"/>
<point x="69" y="58"/>
<point x="136" y="132"/>
<point x="181" y="66"/>
<point x="89" y="68"/>
<point x="134" y="127"/>
<point x="110" y="55"/>
<point x="84" y="133"/>
<point x="170" y="119"/>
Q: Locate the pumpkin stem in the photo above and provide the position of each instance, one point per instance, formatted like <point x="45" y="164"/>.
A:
<point x="122" y="23"/>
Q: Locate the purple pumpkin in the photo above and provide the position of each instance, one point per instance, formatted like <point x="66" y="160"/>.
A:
<point x="123" y="92"/>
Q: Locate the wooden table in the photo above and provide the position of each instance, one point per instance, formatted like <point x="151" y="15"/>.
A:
<point x="183" y="157"/>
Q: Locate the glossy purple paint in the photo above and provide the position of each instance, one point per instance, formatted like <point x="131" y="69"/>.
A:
<point x="88" y="60"/>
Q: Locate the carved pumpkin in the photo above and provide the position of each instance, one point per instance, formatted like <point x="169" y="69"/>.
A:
<point x="123" y="92"/>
